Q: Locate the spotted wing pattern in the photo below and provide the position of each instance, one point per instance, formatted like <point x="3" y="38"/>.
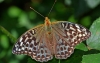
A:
<point x="31" y="43"/>
<point x="60" y="41"/>
<point x="67" y="36"/>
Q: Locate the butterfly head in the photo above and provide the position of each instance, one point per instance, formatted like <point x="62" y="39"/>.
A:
<point x="47" y="22"/>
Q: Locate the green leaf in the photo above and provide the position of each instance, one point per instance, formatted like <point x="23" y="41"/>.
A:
<point x="14" y="11"/>
<point x="94" y="41"/>
<point x="31" y="61"/>
<point x="72" y="19"/>
<point x="14" y="33"/>
<point x="1" y="1"/>
<point x="24" y="21"/>
<point x="2" y="54"/>
<point x="92" y="58"/>
<point x="14" y="61"/>
<point x="82" y="46"/>
<point x="20" y="56"/>
<point x="86" y="21"/>
<point x="76" y="57"/>
<point x="32" y="15"/>
<point x="93" y="3"/>
<point x="4" y="42"/>
<point x="68" y="2"/>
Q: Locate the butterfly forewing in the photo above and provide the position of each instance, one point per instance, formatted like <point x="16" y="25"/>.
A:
<point x="32" y="44"/>
<point x="67" y="35"/>
<point x="25" y="41"/>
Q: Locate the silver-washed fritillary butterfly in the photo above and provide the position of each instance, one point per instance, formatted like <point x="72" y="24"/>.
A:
<point x="51" y="39"/>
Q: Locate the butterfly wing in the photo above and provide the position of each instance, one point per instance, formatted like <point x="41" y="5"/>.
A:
<point x="62" y="49"/>
<point x="67" y="36"/>
<point x="32" y="44"/>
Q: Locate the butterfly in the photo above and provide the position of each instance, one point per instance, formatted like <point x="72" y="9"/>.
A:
<point x="50" y="39"/>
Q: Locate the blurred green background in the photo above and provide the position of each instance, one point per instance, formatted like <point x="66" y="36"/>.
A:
<point x="17" y="17"/>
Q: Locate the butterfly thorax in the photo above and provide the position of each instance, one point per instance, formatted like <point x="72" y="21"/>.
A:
<point x="47" y="25"/>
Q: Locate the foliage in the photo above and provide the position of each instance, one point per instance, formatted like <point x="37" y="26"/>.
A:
<point x="16" y="17"/>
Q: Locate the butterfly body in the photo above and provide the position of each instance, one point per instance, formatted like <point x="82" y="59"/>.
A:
<point x="51" y="39"/>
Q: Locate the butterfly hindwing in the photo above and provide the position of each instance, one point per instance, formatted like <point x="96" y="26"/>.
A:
<point x="63" y="50"/>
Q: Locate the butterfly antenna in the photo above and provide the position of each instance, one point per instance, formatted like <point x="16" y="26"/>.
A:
<point x="52" y="7"/>
<point x="37" y="12"/>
